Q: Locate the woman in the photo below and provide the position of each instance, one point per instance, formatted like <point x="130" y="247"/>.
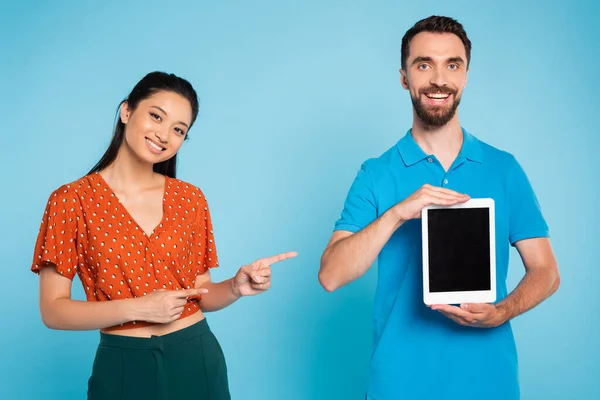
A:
<point x="142" y="244"/>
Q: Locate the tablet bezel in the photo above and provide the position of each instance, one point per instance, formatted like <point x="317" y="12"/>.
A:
<point x="476" y="296"/>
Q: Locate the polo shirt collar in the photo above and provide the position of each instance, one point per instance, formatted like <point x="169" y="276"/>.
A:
<point x="411" y="153"/>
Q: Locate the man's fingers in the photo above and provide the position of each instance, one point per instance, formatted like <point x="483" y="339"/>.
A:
<point x="477" y="308"/>
<point x="275" y="259"/>
<point x="452" y="310"/>
<point x="445" y="191"/>
<point x="456" y="319"/>
<point x="444" y="194"/>
<point x="449" y="309"/>
<point x="441" y="201"/>
<point x="444" y="199"/>
<point x="462" y="316"/>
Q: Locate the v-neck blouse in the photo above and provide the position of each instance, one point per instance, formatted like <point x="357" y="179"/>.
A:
<point x="86" y="231"/>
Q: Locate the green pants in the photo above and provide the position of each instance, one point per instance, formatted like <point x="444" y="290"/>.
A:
<point x="187" y="364"/>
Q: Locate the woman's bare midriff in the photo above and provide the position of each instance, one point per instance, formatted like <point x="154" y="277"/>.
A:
<point x="160" y="329"/>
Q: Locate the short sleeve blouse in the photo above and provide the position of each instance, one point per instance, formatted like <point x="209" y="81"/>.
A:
<point x="85" y="230"/>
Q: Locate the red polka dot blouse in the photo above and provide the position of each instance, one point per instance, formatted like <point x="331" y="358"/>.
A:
<point x="86" y="231"/>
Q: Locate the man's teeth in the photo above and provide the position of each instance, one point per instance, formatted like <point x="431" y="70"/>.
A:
<point x="154" y="146"/>
<point x="438" y="95"/>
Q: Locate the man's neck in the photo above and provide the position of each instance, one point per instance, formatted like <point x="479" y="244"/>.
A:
<point x="445" y="142"/>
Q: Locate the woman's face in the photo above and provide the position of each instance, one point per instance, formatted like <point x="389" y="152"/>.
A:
<point x="155" y="130"/>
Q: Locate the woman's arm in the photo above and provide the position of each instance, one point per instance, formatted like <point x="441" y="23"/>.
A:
<point x="59" y="311"/>
<point x="222" y="294"/>
<point x="250" y="280"/>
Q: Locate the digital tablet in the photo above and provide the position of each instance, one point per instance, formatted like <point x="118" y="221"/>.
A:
<point x="459" y="253"/>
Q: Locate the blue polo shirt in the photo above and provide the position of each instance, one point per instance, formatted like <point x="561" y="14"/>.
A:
<point x="419" y="353"/>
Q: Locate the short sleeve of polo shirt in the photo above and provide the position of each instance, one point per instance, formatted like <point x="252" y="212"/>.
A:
<point x="56" y="244"/>
<point x="360" y="207"/>
<point x="526" y="219"/>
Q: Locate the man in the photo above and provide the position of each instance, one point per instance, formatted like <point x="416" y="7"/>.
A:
<point x="438" y="351"/>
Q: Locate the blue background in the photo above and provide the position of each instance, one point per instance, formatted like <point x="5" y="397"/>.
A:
<point x="295" y="95"/>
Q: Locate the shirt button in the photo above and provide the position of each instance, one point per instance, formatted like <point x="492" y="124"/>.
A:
<point x="445" y="181"/>
<point x="429" y="159"/>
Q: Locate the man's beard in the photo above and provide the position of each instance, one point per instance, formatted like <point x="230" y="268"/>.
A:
<point x="435" y="116"/>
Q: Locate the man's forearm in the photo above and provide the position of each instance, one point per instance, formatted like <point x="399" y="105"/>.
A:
<point x="349" y="258"/>
<point x="536" y="286"/>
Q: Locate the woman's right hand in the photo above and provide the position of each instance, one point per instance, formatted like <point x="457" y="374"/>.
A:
<point x="164" y="306"/>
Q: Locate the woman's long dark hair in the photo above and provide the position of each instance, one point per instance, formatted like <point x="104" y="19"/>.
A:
<point x="152" y="83"/>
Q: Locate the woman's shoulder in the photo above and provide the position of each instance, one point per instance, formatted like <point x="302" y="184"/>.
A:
<point x="186" y="192"/>
<point x="73" y="190"/>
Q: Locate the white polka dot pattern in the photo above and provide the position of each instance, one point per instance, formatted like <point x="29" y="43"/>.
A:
<point x="86" y="231"/>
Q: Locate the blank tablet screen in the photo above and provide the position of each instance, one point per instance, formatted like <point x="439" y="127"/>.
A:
<point x="459" y="249"/>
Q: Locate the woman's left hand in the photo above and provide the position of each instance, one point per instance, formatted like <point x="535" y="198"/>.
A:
<point x="255" y="278"/>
